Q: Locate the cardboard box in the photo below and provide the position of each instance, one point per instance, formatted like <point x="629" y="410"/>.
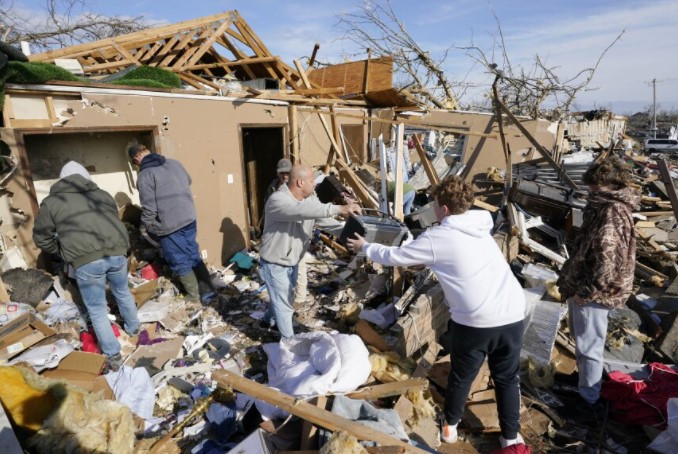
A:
<point x="21" y="333"/>
<point x="80" y="369"/>
<point x="144" y="292"/>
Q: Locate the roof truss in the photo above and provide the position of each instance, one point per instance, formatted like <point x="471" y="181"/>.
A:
<point x="199" y="51"/>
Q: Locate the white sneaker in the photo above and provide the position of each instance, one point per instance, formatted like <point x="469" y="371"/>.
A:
<point x="449" y="433"/>
<point x="516" y="441"/>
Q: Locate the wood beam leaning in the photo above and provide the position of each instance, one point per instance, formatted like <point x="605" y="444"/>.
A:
<point x="304" y="410"/>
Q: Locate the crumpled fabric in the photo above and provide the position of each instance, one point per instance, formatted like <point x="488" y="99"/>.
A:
<point x="311" y="364"/>
<point x="45" y="356"/>
<point x="639" y="402"/>
<point x="384" y="420"/>
<point x="62" y="311"/>
<point x="134" y="388"/>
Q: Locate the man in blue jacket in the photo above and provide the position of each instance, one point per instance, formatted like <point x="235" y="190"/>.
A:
<point x="168" y="212"/>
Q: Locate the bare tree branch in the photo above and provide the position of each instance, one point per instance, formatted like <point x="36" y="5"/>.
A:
<point x="377" y="27"/>
<point x="62" y="23"/>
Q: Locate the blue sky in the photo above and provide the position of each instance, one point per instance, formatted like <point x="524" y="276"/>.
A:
<point x="569" y="34"/>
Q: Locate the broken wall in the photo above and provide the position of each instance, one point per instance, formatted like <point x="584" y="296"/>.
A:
<point x="588" y="133"/>
<point x="481" y="153"/>
<point x="202" y="132"/>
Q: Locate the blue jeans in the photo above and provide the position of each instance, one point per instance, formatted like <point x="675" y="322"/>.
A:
<point x="91" y="279"/>
<point x="588" y="324"/>
<point x="181" y="250"/>
<point x="408" y="201"/>
<point x="280" y="281"/>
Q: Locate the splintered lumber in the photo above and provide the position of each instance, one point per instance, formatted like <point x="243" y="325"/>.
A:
<point x="428" y="166"/>
<point x="462" y="130"/>
<point x="304" y="410"/>
<point x="333" y="244"/>
<point x="484" y="205"/>
<point x="370" y="336"/>
<point x="395" y="388"/>
<point x="668" y="182"/>
<point x="543" y="151"/>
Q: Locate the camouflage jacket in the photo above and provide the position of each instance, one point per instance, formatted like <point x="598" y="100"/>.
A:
<point x="603" y="260"/>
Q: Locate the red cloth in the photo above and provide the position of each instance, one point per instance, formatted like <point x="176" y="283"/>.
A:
<point x="89" y="339"/>
<point x="513" y="449"/>
<point x="151" y="272"/>
<point x="642" y="401"/>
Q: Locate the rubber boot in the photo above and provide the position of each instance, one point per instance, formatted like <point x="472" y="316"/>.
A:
<point x="205" y="287"/>
<point x="190" y="284"/>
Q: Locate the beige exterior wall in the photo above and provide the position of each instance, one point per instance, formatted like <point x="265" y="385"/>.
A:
<point x="202" y="132"/>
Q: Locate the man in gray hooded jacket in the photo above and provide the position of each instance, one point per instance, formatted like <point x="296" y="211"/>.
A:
<point x="79" y="222"/>
<point x="290" y="214"/>
<point x="168" y="212"/>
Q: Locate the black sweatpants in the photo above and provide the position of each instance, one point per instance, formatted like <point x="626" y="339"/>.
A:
<point x="469" y="347"/>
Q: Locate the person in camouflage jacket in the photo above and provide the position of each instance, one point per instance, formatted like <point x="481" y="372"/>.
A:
<point x="599" y="274"/>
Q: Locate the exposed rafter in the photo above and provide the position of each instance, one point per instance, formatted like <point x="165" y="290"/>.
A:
<point x="200" y="51"/>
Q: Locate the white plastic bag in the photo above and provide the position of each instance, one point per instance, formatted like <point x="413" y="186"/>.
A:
<point x="667" y="441"/>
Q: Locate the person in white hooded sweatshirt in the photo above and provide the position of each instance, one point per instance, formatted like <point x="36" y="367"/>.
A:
<point x="487" y="304"/>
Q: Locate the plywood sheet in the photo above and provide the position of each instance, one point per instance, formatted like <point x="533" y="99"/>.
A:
<point x="351" y="76"/>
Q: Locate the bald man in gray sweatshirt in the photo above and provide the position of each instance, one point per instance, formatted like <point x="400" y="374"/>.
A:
<point x="289" y="217"/>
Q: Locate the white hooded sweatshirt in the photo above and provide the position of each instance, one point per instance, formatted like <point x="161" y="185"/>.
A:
<point x="479" y="286"/>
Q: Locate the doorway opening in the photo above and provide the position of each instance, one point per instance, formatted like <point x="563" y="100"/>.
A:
<point x="262" y="149"/>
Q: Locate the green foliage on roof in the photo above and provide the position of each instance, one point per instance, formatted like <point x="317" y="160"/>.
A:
<point x="37" y="73"/>
<point x="150" y="76"/>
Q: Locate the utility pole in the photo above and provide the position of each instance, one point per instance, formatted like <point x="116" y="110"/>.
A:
<point x="654" y="107"/>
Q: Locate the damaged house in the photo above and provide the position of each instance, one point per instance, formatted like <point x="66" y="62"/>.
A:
<point x="229" y="135"/>
<point x="229" y="111"/>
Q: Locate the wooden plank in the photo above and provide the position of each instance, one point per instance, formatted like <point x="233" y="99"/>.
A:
<point x="545" y="154"/>
<point x="395" y="388"/>
<point x="151" y="34"/>
<point x="303" y="409"/>
<point x="292" y="118"/>
<point x="351" y="75"/>
<point x="428" y="166"/>
<point x="302" y="74"/>
<point x="165" y="63"/>
<point x="333" y="244"/>
<point x="485" y="206"/>
<point x="356" y="184"/>
<point x="309" y="432"/>
<point x="448" y="128"/>
<point x="165" y="49"/>
<point x="399" y="164"/>
<point x="370" y="336"/>
<point x="366" y="76"/>
<point x="321" y="91"/>
<point x="224" y="41"/>
<point x="49" y="103"/>
<point x="668" y="182"/>
<point x="254" y="43"/>
<point x="188" y="53"/>
<point x="228" y="63"/>
<point x="204" y="47"/>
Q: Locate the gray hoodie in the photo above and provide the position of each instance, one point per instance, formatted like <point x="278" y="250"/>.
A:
<point x="165" y="193"/>
<point x="289" y="224"/>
